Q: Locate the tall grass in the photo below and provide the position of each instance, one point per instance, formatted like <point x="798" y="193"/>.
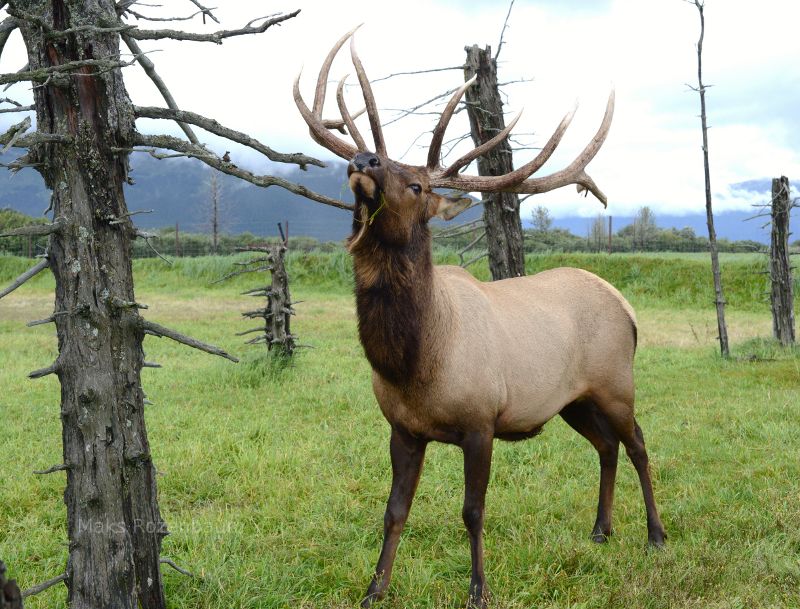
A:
<point x="275" y="479"/>
<point x="646" y="279"/>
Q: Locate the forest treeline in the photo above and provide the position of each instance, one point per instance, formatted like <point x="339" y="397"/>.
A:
<point x="643" y="235"/>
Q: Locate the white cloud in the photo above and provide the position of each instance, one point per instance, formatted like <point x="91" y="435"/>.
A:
<point x="571" y="50"/>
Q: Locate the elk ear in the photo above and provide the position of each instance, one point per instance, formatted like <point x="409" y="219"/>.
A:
<point x="447" y="208"/>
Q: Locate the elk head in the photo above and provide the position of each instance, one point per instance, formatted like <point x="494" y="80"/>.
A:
<point x="392" y="197"/>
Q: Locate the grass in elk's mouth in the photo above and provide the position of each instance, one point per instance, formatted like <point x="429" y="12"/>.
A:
<point x="273" y="478"/>
<point x="382" y="200"/>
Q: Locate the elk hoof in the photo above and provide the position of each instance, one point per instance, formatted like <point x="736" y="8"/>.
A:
<point x="368" y="600"/>
<point x="601" y="535"/>
<point x="478" y="598"/>
<point x="657" y="540"/>
<point x="373" y="596"/>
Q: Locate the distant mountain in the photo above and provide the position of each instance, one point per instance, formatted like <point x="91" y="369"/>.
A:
<point x="732" y="225"/>
<point x="177" y="191"/>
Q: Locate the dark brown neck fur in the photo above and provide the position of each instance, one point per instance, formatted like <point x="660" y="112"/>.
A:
<point x="393" y="294"/>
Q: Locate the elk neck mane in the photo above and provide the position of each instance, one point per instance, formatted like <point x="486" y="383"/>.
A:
<point x="394" y="298"/>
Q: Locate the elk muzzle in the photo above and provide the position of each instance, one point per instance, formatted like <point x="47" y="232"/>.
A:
<point x="359" y="172"/>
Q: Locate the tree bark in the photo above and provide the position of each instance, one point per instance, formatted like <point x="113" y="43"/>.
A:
<point x="500" y="210"/>
<point x="113" y="521"/>
<point x="780" y="267"/>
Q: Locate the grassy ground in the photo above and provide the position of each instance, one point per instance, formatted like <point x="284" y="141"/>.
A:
<point x="274" y="480"/>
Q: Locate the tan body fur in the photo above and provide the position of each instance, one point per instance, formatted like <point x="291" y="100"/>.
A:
<point x="507" y="356"/>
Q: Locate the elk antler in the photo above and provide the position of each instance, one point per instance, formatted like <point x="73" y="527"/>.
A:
<point x="320" y="129"/>
<point x="316" y="126"/>
<point x="518" y="180"/>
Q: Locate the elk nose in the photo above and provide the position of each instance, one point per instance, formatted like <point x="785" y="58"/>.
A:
<point x="362" y="160"/>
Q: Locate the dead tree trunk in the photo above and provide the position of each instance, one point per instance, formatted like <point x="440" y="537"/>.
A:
<point x="719" y="298"/>
<point x="85" y="132"/>
<point x="10" y="595"/>
<point x="277" y="312"/>
<point x="504" y="235"/>
<point x="113" y="520"/>
<point x="780" y="268"/>
<point x="275" y="332"/>
<point x="214" y="192"/>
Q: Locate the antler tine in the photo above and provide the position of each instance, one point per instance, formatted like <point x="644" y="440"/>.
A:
<point x="338" y="123"/>
<point x="322" y="80"/>
<point x="438" y="133"/>
<point x="348" y="120"/>
<point x="369" y="101"/>
<point x="318" y="131"/>
<point x="482" y="149"/>
<point x="317" y="127"/>
<point x="574" y="173"/>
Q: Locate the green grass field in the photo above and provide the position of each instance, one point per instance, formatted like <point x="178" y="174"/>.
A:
<point x="273" y="480"/>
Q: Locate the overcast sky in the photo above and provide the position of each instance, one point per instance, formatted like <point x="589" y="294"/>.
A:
<point x="572" y="50"/>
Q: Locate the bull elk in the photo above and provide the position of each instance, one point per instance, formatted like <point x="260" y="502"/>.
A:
<point x="459" y="361"/>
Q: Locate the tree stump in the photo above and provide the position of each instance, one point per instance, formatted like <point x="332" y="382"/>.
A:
<point x="277" y="310"/>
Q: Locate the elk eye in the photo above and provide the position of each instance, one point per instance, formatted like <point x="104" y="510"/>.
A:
<point x="415" y="188"/>
<point x="374" y="162"/>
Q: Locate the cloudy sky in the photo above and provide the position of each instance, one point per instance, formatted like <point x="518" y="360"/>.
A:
<point x="566" y="51"/>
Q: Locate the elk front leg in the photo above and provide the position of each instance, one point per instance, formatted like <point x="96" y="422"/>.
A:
<point x="477" y="449"/>
<point x="407" y="454"/>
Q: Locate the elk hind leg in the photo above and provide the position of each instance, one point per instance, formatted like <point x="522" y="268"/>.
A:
<point x="620" y="415"/>
<point x="585" y="418"/>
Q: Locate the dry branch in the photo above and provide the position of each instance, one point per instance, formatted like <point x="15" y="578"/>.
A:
<point x="167" y="561"/>
<point x="150" y="69"/>
<point x="8" y="25"/>
<point x="159" y="331"/>
<point x="51" y="470"/>
<point x="209" y="158"/>
<point x="37" y="374"/>
<point x="206" y="11"/>
<point x="503" y="31"/>
<point x="41" y="322"/>
<point x="36" y="230"/>
<point x="211" y="125"/>
<point x="14" y="132"/>
<point x="60" y="73"/>
<point x="216" y="37"/>
<point x="16" y="108"/>
<point x="44" y="586"/>
<point x="147" y="18"/>
<point x="32" y="272"/>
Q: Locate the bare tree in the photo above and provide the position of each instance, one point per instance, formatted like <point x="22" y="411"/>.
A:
<point x="215" y="208"/>
<point x="597" y="233"/>
<point x="712" y="234"/>
<point x="504" y="235"/>
<point x="541" y="218"/>
<point x="644" y="226"/>
<point x="85" y="133"/>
